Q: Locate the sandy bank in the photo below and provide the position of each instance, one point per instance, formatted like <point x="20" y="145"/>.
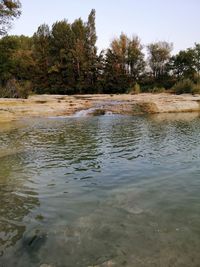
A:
<point x="56" y="105"/>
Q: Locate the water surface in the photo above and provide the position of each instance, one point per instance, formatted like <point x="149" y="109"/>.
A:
<point x="100" y="191"/>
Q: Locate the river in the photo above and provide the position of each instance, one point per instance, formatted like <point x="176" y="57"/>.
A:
<point x="100" y="191"/>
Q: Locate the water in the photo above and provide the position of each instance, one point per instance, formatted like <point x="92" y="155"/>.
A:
<point x="100" y="191"/>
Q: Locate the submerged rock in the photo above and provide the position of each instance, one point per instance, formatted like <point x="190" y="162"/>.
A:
<point x="109" y="263"/>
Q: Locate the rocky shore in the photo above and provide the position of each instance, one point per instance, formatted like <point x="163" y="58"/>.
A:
<point x="57" y="105"/>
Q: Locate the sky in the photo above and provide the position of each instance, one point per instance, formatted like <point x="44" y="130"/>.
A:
<point x="175" y="21"/>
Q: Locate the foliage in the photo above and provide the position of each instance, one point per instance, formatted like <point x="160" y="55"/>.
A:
<point x="124" y="64"/>
<point x="196" y="89"/>
<point x="158" y="90"/>
<point x="15" y="89"/>
<point x="184" y="87"/>
<point x="135" y="89"/>
<point x="159" y="55"/>
<point x="9" y="9"/>
<point x="63" y="59"/>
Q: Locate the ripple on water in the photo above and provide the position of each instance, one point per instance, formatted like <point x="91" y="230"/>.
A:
<point x="100" y="191"/>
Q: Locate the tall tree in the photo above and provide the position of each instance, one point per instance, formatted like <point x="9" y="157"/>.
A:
<point x="79" y="56"/>
<point x="159" y="55"/>
<point x="91" y="51"/>
<point x="8" y="45"/>
<point x="115" y="80"/>
<point x="41" y="41"/>
<point x="119" y="47"/>
<point x="9" y="10"/>
<point x="197" y="60"/>
<point x="182" y="64"/>
<point x="61" y="43"/>
<point x="135" y="58"/>
<point x="124" y="62"/>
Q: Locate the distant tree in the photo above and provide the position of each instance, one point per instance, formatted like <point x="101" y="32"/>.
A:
<point x="9" y="10"/>
<point x="61" y="71"/>
<point x="119" y="47"/>
<point x="159" y="55"/>
<point x="41" y="41"/>
<point x="182" y="64"/>
<point x="114" y="78"/>
<point x="135" y="59"/>
<point x="8" y="45"/>
<point x="16" y="66"/>
<point x="91" y="52"/>
<point x="197" y="60"/>
<point x="124" y="63"/>
<point x="23" y="59"/>
<point x="79" y="56"/>
<point x="66" y="55"/>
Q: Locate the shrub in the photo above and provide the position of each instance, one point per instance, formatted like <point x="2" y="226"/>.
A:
<point x="185" y="86"/>
<point x="15" y="89"/>
<point x="157" y="90"/>
<point x="135" y="89"/>
<point x="196" y="89"/>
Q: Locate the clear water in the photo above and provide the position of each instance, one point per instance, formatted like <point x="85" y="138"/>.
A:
<point x="100" y="191"/>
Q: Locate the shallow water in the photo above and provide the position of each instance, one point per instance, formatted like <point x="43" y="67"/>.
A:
<point x="100" y="191"/>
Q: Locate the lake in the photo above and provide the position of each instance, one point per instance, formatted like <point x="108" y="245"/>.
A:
<point x="100" y="191"/>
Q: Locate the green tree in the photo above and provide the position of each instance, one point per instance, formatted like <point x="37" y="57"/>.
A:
<point x="136" y="63"/>
<point x="115" y="79"/>
<point x="119" y="47"/>
<point x="61" y="71"/>
<point x="9" y="10"/>
<point x="197" y="60"/>
<point x="24" y="63"/>
<point x="182" y="64"/>
<point x="91" y="52"/>
<point x="159" y="55"/>
<point x="124" y="63"/>
<point x="79" y="57"/>
<point x="8" y="45"/>
<point x="16" y="66"/>
<point x="41" y="41"/>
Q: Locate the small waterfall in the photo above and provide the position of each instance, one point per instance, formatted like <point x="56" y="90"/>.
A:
<point x="109" y="113"/>
<point x="84" y="112"/>
<point x="92" y="112"/>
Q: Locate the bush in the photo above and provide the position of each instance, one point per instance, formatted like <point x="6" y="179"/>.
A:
<point x="185" y="86"/>
<point x="15" y="89"/>
<point x="158" y="90"/>
<point x="135" y="89"/>
<point x="196" y="89"/>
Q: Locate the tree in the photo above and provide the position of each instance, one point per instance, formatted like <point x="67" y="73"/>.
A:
<point x="9" y="10"/>
<point x="91" y="52"/>
<point x="119" y="47"/>
<point x="159" y="55"/>
<point x="124" y="63"/>
<point x="115" y="80"/>
<point x="197" y="60"/>
<point x="61" y="44"/>
<point x="41" y="41"/>
<point x="135" y="59"/>
<point x="24" y="63"/>
<point x="16" y="66"/>
<point x="8" y="45"/>
<point x="182" y="64"/>
<point x="79" y="56"/>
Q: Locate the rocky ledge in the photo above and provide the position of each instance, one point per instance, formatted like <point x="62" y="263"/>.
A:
<point x="57" y="105"/>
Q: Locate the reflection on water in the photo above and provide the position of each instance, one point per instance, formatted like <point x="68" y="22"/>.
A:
<point x="16" y="198"/>
<point x="102" y="191"/>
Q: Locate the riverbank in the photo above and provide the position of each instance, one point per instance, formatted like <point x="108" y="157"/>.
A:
<point x="58" y="105"/>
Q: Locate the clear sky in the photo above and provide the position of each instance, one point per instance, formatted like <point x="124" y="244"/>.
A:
<point x="176" y="21"/>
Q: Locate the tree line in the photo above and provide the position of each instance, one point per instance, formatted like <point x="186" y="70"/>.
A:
<point x="64" y="59"/>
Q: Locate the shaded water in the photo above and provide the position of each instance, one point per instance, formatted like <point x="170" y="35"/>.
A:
<point x="100" y="191"/>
